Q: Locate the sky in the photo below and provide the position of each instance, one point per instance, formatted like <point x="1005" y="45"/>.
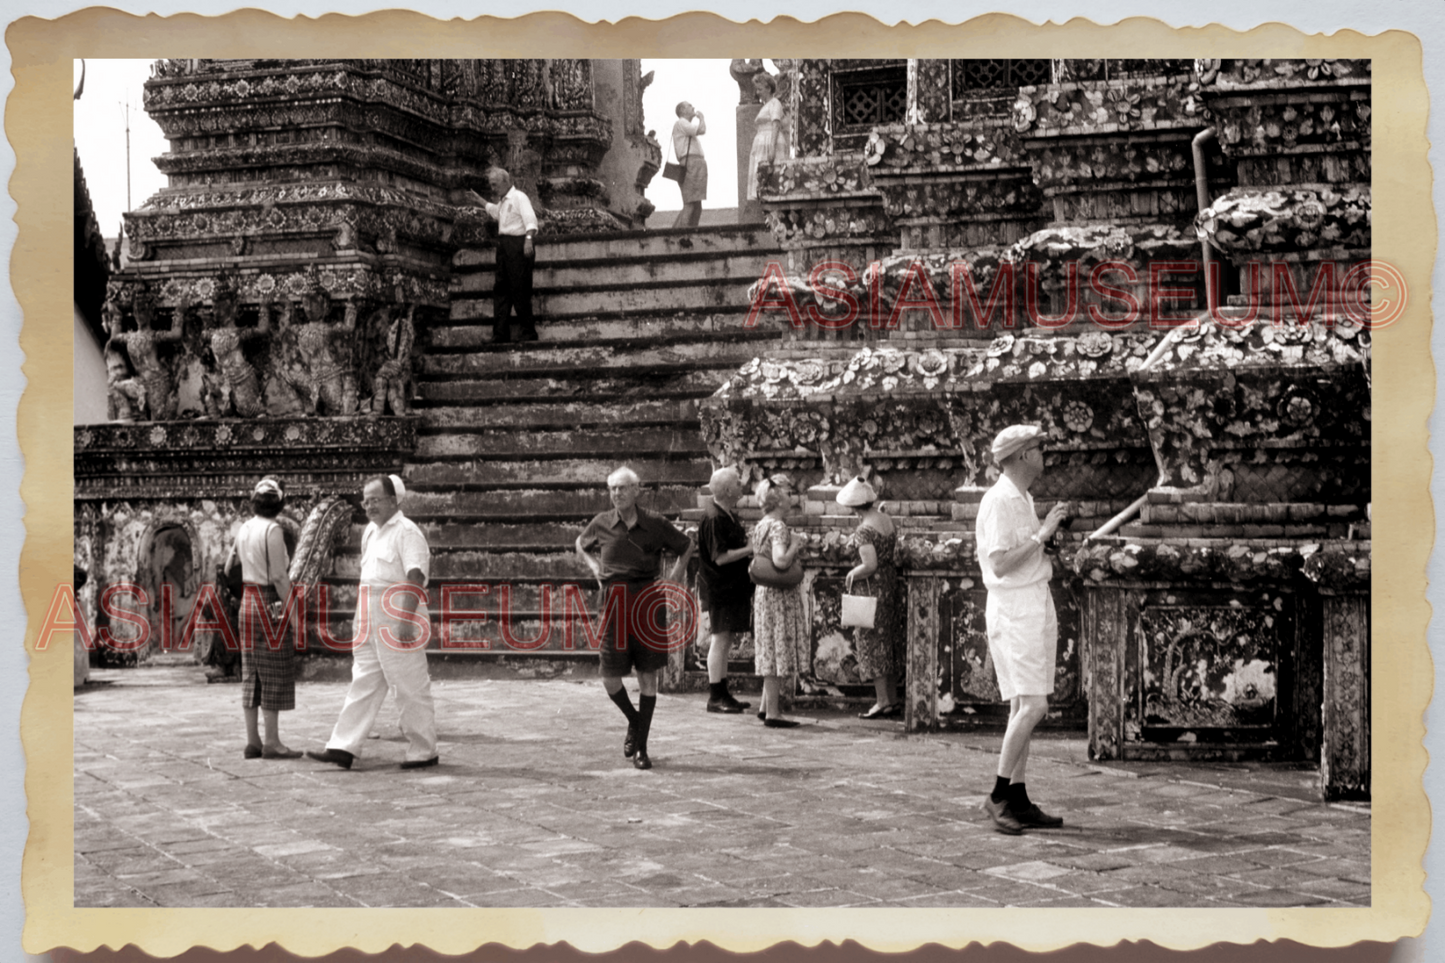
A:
<point x="100" y="122"/>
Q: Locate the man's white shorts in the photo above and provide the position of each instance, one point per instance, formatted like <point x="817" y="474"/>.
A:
<point x="1023" y="639"/>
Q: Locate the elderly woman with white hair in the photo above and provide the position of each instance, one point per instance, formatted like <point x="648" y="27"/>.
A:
<point x="780" y="630"/>
<point x="879" y="650"/>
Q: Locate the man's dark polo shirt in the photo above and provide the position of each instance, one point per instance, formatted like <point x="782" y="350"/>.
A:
<point x="719" y="532"/>
<point x="633" y="554"/>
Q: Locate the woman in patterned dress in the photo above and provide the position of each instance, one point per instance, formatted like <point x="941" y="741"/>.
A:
<point x="268" y="675"/>
<point x="880" y="649"/>
<point x="780" y="632"/>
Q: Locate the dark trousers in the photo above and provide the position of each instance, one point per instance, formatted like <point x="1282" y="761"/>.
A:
<point x="512" y="288"/>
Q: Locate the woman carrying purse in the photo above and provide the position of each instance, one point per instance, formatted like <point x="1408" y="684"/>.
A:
<point x="879" y="649"/>
<point x="780" y="632"/>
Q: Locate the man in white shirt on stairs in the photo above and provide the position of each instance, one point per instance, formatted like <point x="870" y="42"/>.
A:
<point x="516" y="256"/>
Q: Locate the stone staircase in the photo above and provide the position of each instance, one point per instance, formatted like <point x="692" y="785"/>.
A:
<point x="516" y="441"/>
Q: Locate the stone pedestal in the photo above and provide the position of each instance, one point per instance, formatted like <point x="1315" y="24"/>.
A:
<point x="750" y="211"/>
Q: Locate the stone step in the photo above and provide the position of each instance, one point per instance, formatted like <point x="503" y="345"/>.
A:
<point x="523" y="597"/>
<point x="645" y="327"/>
<point x="669" y="296"/>
<point x="602" y="387"/>
<point x="582" y="503"/>
<point x="566" y="275"/>
<point x="591" y="358"/>
<point x="523" y="443"/>
<point x="637" y="244"/>
<point x="560" y="415"/>
<point x="556" y="474"/>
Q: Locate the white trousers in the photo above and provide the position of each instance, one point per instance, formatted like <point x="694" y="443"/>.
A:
<point x="375" y="666"/>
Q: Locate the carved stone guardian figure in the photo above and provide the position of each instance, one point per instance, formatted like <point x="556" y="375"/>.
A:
<point x="142" y="347"/>
<point x="393" y="383"/>
<point x="235" y="386"/>
<point x="328" y="385"/>
<point x="125" y="396"/>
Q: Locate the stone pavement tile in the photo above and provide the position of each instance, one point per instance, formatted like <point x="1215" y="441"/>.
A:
<point x="949" y="879"/>
<point x="1335" y="888"/>
<point x="1164" y="854"/>
<point x="1154" y="873"/>
<point x="1034" y="871"/>
<point x="1276" y="897"/>
<point x="200" y="844"/>
<point x="294" y="847"/>
<point x="1085" y="883"/>
<point x="885" y="887"/>
<point x="1232" y="865"/>
<point x="113" y="895"/>
<point x="1007" y="892"/>
<point x="153" y="862"/>
<point x="1342" y="868"/>
<point x="147" y="882"/>
<point x="1093" y="861"/>
<point x="1067" y="902"/>
<point x="1279" y="856"/>
<point x="1201" y="886"/>
<point x="821" y="897"/>
<point x="1151" y="896"/>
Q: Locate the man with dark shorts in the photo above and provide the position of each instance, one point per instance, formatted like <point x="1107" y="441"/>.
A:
<point x="1023" y="631"/>
<point x="723" y="585"/>
<point x="630" y="542"/>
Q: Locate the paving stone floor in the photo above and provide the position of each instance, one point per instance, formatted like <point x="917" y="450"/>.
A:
<point x="534" y="805"/>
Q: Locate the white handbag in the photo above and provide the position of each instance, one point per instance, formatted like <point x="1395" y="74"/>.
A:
<point x="858" y="611"/>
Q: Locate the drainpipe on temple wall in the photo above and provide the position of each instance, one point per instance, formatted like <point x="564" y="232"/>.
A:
<point x="1211" y="301"/>
<point x="1201" y="193"/>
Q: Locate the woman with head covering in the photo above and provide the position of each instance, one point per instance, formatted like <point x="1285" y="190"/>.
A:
<point x="770" y="144"/>
<point x="880" y="649"/>
<point x="780" y="632"/>
<point x="268" y="674"/>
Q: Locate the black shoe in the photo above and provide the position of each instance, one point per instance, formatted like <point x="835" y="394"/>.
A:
<point x="881" y="712"/>
<point x="520" y="333"/>
<point x="339" y="757"/>
<point x="738" y="706"/>
<point x="1004" y="820"/>
<point x="421" y="763"/>
<point x="640" y="761"/>
<point x="1032" y="815"/>
<point x="762" y="715"/>
<point x="252" y="752"/>
<point x="718" y="705"/>
<point x="629" y="745"/>
<point x="280" y="753"/>
<point x="500" y="335"/>
<point x="781" y="723"/>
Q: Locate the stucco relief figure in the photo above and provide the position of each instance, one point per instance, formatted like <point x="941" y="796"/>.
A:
<point x="393" y="383"/>
<point x="142" y="345"/>
<point x="327" y="383"/>
<point x="234" y="387"/>
<point x="531" y="87"/>
<point x="125" y="396"/>
<point x="743" y="71"/>
<point x="571" y="83"/>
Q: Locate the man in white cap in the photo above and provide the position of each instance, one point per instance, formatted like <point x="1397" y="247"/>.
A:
<point x="394" y="552"/>
<point x="1022" y="628"/>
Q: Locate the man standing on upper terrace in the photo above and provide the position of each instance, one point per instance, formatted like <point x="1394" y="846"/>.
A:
<point x="516" y="256"/>
<point x="1023" y="632"/>
<point x="690" y="125"/>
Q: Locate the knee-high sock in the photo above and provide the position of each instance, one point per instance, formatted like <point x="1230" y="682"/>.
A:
<point x="625" y="704"/>
<point x="645" y="705"/>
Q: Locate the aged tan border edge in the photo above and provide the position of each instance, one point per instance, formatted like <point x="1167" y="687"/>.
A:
<point x="37" y="123"/>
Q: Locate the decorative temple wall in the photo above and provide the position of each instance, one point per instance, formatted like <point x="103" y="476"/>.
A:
<point x="1230" y="600"/>
<point x="269" y="316"/>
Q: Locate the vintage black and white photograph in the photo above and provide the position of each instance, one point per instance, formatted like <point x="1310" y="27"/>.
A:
<point x="810" y="483"/>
